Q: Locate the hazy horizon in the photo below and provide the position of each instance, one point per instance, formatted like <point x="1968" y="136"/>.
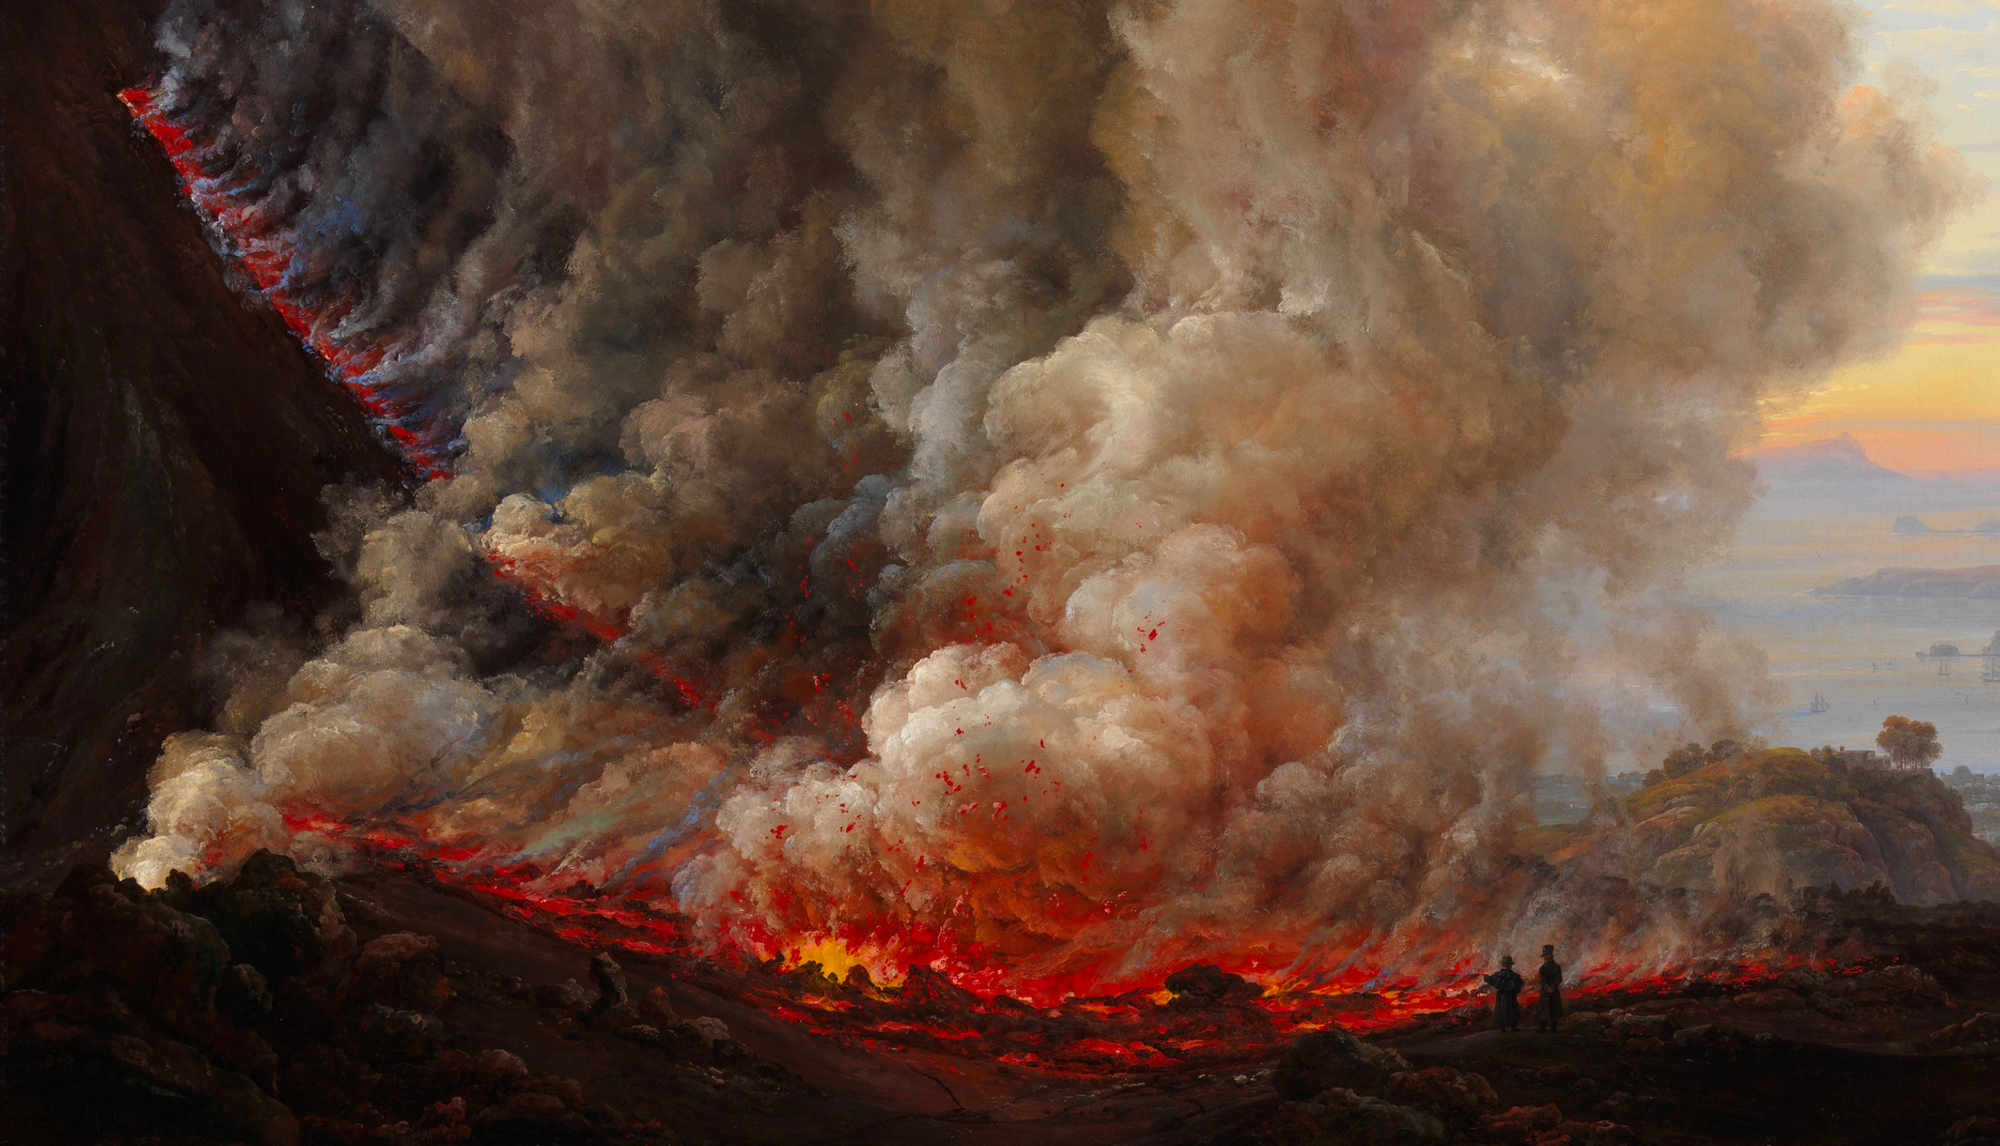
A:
<point x="1807" y="533"/>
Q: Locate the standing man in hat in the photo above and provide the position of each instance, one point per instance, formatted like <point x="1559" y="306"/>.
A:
<point x="1549" y="1008"/>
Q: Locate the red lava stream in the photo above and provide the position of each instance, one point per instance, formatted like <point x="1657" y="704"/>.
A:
<point x="1065" y="1030"/>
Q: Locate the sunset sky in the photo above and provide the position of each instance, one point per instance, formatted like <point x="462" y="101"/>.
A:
<point x="1935" y="404"/>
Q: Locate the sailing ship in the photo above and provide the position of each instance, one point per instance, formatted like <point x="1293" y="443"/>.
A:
<point x="1819" y="704"/>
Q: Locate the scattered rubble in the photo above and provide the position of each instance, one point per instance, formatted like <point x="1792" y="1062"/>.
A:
<point x="1979" y="1130"/>
<point x="1983" y="1027"/>
<point x="1456" y="1098"/>
<point x="1340" y="1089"/>
<point x="1704" y="1020"/>
<point x="1342" y="1115"/>
<point x="1546" y="1126"/>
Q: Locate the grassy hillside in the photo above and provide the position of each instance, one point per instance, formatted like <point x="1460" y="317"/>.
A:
<point x="1776" y="820"/>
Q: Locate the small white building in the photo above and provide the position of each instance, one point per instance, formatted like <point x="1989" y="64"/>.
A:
<point x="1869" y="758"/>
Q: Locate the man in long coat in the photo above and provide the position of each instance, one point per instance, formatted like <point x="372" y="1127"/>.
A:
<point x="1506" y="984"/>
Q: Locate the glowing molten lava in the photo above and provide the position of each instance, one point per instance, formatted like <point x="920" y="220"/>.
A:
<point x="944" y="1001"/>
<point x="265" y="253"/>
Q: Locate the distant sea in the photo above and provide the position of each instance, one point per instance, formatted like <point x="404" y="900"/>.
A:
<point x="1860" y="652"/>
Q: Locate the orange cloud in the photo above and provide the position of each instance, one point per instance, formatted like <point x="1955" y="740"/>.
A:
<point x="1957" y="315"/>
<point x="1933" y="405"/>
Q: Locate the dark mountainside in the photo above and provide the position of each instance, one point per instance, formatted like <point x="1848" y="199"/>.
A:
<point x="166" y="442"/>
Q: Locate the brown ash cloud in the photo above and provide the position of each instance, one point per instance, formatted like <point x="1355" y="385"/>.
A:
<point x="1112" y="484"/>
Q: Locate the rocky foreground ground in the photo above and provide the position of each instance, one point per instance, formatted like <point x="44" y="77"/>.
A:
<point x="279" y="1008"/>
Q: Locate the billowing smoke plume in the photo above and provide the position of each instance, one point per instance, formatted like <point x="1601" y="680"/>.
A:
<point x="1089" y="484"/>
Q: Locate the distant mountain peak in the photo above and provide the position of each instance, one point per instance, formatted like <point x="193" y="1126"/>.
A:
<point x="1840" y="457"/>
<point x="1977" y="582"/>
<point x="1844" y="446"/>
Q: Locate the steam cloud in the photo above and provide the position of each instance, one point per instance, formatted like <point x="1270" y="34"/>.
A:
<point x="1098" y="484"/>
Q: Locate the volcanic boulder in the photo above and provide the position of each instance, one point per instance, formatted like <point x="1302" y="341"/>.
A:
<point x="1457" y="1098"/>
<point x="1587" y="1022"/>
<point x="1702" y="1035"/>
<point x="713" y="1032"/>
<point x="284" y="922"/>
<point x="244" y="995"/>
<point x="1201" y="983"/>
<point x="1979" y="1130"/>
<point x="1341" y="1115"/>
<point x="403" y="971"/>
<point x="1641" y="1026"/>
<point x="610" y="979"/>
<point x="380" y="1034"/>
<point x="568" y="996"/>
<point x="657" y="1009"/>
<point x="97" y="929"/>
<point x="929" y="992"/>
<point x="123" y="1011"/>
<point x="1333" y="1058"/>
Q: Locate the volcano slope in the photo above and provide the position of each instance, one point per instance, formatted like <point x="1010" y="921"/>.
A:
<point x="166" y="444"/>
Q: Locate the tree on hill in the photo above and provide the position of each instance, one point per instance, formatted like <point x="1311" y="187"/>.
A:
<point x="1909" y="743"/>
<point x="1683" y="760"/>
<point x="1691" y="756"/>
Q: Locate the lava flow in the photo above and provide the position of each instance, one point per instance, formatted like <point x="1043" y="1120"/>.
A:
<point x="266" y="254"/>
<point x="1200" y="1018"/>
